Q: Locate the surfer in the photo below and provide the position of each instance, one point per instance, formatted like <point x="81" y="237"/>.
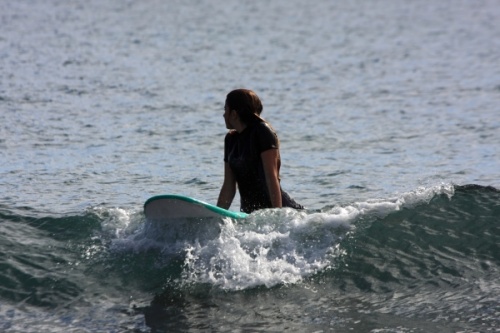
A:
<point x="251" y="157"/>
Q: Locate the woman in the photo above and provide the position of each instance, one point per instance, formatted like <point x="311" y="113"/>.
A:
<point x="251" y="157"/>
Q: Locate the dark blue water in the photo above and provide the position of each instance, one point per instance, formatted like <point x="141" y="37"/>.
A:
<point x="387" y="113"/>
<point x="427" y="264"/>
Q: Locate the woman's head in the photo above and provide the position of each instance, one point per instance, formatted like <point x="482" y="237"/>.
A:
<point x="246" y="103"/>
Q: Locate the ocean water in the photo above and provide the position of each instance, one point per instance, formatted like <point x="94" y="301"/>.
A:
<point x="388" y="117"/>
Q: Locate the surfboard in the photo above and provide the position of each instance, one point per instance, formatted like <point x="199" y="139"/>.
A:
<point x="172" y="206"/>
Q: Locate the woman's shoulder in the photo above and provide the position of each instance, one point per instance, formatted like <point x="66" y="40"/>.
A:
<point x="267" y="130"/>
<point x="265" y="135"/>
<point x="264" y="127"/>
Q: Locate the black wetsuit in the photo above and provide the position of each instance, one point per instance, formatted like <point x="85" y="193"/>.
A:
<point x="243" y="153"/>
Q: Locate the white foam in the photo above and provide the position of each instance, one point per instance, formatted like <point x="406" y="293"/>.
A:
<point x="270" y="247"/>
<point x="383" y="207"/>
<point x="273" y="247"/>
<point x="284" y="246"/>
<point x="117" y="222"/>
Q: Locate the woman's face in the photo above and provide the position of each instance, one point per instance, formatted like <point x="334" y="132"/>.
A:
<point x="228" y="115"/>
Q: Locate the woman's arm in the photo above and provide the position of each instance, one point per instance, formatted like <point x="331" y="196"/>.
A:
<point x="270" y="160"/>
<point x="228" y="190"/>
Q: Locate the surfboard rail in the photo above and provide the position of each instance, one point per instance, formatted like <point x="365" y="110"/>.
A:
<point x="180" y="206"/>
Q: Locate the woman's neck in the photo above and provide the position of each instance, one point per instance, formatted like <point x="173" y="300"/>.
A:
<point x="239" y="126"/>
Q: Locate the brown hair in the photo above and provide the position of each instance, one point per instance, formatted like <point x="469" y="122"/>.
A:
<point x="247" y="104"/>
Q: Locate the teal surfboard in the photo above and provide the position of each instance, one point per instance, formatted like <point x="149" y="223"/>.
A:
<point x="171" y="206"/>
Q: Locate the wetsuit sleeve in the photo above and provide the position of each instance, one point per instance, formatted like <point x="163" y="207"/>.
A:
<point x="266" y="138"/>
